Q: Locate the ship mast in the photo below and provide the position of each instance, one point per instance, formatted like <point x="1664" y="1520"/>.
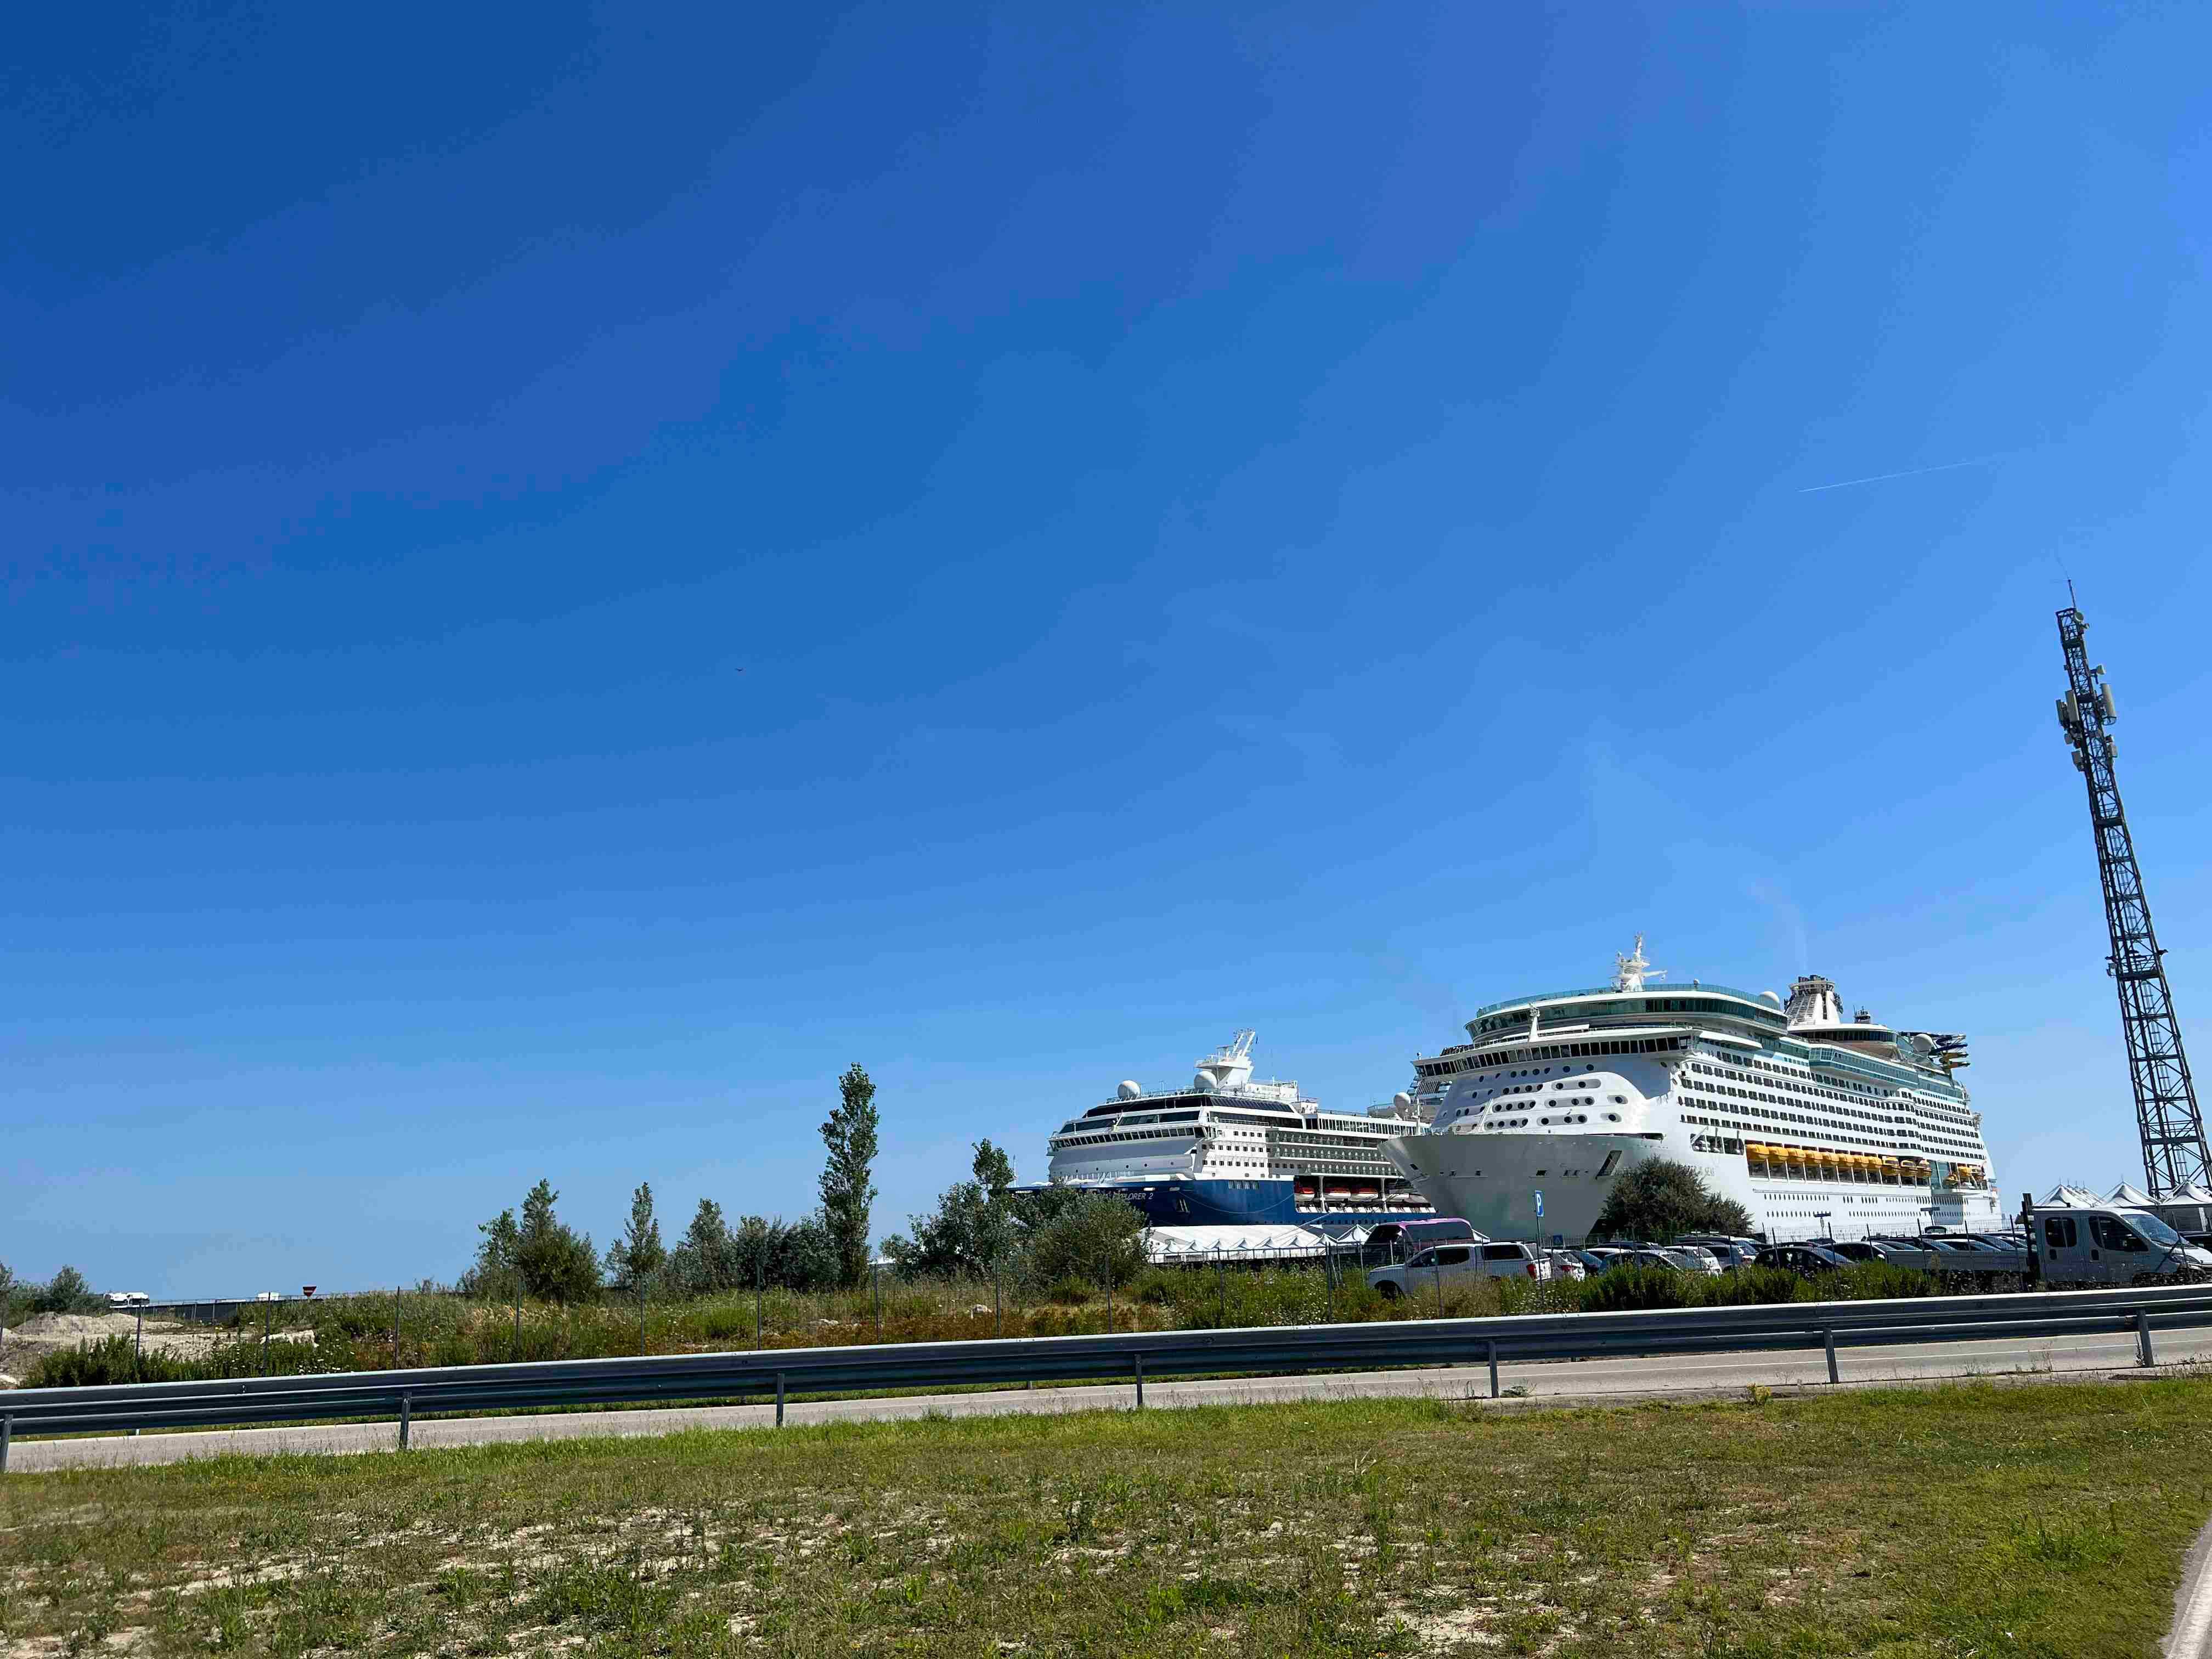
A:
<point x="2171" y="1128"/>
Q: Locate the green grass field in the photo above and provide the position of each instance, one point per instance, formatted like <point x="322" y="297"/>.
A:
<point x="1956" y="1522"/>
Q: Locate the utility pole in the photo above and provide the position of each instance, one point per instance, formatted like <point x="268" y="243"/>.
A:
<point x="2167" y="1118"/>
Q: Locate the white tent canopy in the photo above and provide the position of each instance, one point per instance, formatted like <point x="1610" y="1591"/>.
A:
<point x="2063" y="1197"/>
<point x="1283" y="1242"/>
<point x="2128" y="1193"/>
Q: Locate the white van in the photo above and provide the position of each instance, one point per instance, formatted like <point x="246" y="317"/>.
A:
<point x="2118" y="1246"/>
<point x="128" y="1298"/>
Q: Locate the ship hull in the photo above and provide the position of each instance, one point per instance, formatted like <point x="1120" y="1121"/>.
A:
<point x="1491" y="1181"/>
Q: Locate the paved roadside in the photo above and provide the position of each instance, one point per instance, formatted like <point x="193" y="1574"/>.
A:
<point x="1547" y="1383"/>
<point x="2191" y="1637"/>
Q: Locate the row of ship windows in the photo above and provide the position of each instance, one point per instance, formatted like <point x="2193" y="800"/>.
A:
<point x="1800" y="1081"/>
<point x="1927" y="1109"/>
<point x="1839" y="1131"/>
<point x="1554" y="1051"/>
<point x="1933" y="1143"/>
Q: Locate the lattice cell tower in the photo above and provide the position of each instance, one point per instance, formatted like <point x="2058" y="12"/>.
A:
<point x="2172" y="1131"/>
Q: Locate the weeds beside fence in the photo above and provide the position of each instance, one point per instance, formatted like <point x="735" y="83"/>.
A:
<point x="357" y="1333"/>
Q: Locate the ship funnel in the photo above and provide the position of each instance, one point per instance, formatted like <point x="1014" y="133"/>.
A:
<point x="1812" y="1001"/>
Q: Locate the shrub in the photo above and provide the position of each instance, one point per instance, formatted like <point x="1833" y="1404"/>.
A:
<point x="1634" y="1290"/>
<point x="96" y="1363"/>
<point x="1665" y="1198"/>
<point x="1097" y="1238"/>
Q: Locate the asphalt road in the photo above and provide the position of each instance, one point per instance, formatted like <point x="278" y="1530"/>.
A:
<point x="1553" y="1382"/>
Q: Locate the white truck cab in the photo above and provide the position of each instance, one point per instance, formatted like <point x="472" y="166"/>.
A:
<point x="1445" y="1267"/>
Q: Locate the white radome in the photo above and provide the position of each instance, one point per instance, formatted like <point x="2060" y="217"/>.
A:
<point x="1128" y="1091"/>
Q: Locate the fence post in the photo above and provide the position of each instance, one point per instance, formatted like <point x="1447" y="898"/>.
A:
<point x="641" y="1313"/>
<point x="760" y="1296"/>
<point x="7" y="1433"/>
<point x="267" y="1308"/>
<point x="998" y="1296"/>
<point x="1828" y="1341"/>
<point x="1141" y="1381"/>
<point x="1221" y="1278"/>
<point x="2142" y="1337"/>
<point x="1329" y="1269"/>
<point x="779" y="1399"/>
<point x="518" y="1318"/>
<point x="876" y="1274"/>
<point x="406" y="1417"/>
<point x="1110" y="1295"/>
<point x="1437" y="1266"/>
<point x="397" y="1291"/>
<point x="1491" y="1345"/>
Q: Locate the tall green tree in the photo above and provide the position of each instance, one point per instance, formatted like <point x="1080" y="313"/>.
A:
<point x="972" y="1229"/>
<point x="637" y="1257"/>
<point x="705" y="1259"/>
<point x="1663" y="1198"/>
<point x="848" y="1175"/>
<point x="556" y="1262"/>
<point x="994" y="1170"/>
<point x="495" y="1272"/>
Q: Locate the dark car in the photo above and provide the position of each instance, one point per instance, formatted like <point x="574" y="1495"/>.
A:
<point x="1803" y="1259"/>
<point x="1853" y="1250"/>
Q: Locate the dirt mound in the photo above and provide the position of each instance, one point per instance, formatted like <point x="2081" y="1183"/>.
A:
<point x="60" y="1327"/>
<point x="45" y="1334"/>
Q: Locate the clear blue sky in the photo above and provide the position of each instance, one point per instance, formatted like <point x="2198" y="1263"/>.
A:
<point x="568" y="577"/>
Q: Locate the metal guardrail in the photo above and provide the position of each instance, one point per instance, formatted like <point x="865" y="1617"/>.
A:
<point x="1123" y="1356"/>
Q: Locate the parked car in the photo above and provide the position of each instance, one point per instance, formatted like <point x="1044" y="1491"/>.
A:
<point x="1443" y="1265"/>
<point x="1803" y="1259"/>
<point x="128" y="1298"/>
<point x="1868" y="1249"/>
<point x="1596" y="1258"/>
<point x="1566" y="1264"/>
<point x="1730" y="1252"/>
<point x="1658" y="1259"/>
<point x="1692" y="1258"/>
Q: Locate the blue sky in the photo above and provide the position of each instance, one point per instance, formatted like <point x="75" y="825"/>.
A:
<point x="568" y="576"/>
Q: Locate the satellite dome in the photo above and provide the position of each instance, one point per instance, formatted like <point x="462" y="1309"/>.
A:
<point x="1774" y="997"/>
<point x="1401" y="1100"/>
<point x="1127" y="1091"/>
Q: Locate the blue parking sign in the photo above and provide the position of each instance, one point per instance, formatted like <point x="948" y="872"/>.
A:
<point x="1540" y="1203"/>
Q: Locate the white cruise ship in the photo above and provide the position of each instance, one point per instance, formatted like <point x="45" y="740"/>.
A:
<point x="1817" y="1125"/>
<point x="1232" y="1150"/>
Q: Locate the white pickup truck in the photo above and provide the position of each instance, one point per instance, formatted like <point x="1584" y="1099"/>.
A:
<point x="1445" y="1267"/>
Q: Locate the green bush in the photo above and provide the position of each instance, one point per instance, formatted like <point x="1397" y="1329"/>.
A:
<point x="1096" y="1238"/>
<point x="1635" y="1290"/>
<point x="96" y="1363"/>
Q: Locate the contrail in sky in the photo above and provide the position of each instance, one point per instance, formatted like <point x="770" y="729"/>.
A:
<point x="1911" y="473"/>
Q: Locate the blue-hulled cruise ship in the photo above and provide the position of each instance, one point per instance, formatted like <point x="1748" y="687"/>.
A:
<point x="1228" y="1149"/>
